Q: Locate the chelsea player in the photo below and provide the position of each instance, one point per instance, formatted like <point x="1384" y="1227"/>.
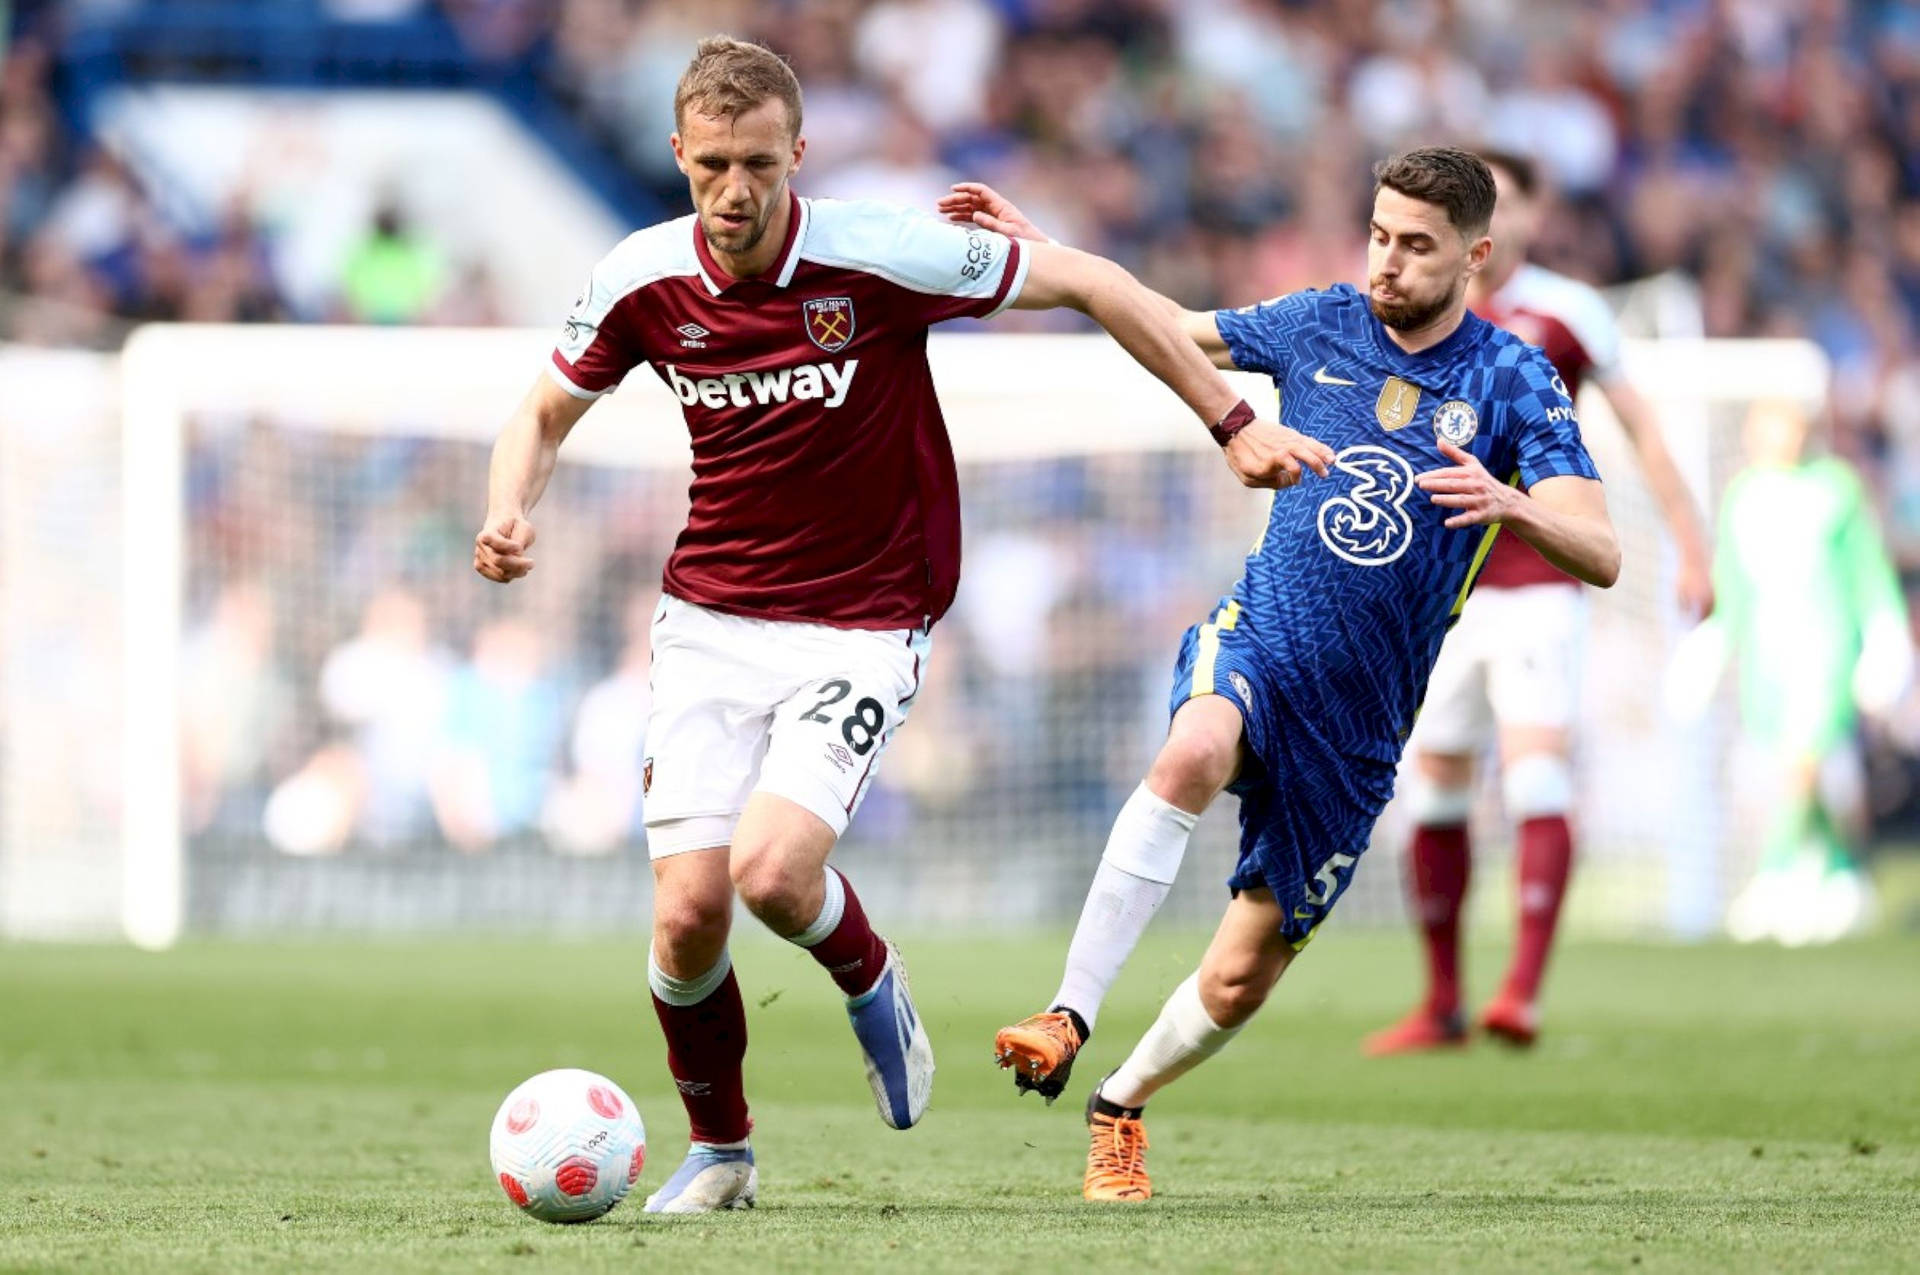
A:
<point x="1298" y="693"/>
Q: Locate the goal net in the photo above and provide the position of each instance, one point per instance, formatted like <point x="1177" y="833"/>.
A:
<point x="311" y="714"/>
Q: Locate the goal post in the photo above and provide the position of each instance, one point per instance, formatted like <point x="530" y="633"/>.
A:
<point x="333" y="462"/>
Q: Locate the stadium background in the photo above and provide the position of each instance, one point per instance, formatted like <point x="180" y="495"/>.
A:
<point x="1727" y="171"/>
<point x="234" y="590"/>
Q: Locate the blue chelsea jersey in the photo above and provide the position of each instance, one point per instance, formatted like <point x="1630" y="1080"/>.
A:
<point x="1356" y="579"/>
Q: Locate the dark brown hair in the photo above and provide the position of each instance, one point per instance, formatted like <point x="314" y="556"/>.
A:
<point x="730" y="77"/>
<point x="1523" y="171"/>
<point x="1458" y="181"/>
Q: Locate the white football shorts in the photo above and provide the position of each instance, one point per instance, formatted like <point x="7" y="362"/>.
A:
<point x="740" y="705"/>
<point x="1513" y="660"/>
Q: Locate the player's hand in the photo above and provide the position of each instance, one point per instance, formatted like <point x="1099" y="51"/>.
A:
<point x="1694" y="587"/>
<point x="1467" y="486"/>
<point x="500" y="550"/>
<point x="1267" y="455"/>
<point x="1885" y="668"/>
<point x="978" y="204"/>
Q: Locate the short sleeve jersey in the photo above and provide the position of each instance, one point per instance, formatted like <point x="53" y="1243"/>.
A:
<point x="1571" y="322"/>
<point x="823" y="486"/>
<point x="1356" y="577"/>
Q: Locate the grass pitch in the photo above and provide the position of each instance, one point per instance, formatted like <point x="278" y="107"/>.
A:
<point x="324" y="1107"/>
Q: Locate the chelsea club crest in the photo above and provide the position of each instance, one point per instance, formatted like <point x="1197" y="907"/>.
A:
<point x="1456" y="421"/>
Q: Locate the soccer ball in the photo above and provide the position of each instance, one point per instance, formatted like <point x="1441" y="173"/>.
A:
<point x="567" y="1145"/>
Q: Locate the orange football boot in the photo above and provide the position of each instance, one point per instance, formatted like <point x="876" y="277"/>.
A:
<point x="1418" y="1033"/>
<point x="1116" y="1157"/>
<point x="1509" y="1019"/>
<point x="1041" y="1051"/>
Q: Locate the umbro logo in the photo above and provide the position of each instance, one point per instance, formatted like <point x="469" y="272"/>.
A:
<point x="1320" y="377"/>
<point x="693" y="336"/>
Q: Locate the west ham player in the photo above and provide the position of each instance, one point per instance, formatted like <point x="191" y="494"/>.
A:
<point x="822" y="544"/>
<point x="1510" y="669"/>
<point x="1299" y="692"/>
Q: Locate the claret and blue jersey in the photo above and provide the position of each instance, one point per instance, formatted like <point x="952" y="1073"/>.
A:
<point x="1328" y="638"/>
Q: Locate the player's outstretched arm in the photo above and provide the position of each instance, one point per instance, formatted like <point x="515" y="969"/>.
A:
<point x="523" y="458"/>
<point x="1564" y="517"/>
<point x="1260" y="453"/>
<point x="1636" y="416"/>
<point x="978" y="204"/>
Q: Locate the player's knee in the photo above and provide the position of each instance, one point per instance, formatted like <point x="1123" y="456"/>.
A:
<point x="1192" y="766"/>
<point x="1440" y="805"/>
<point x="1537" y="786"/>
<point x="771" y="885"/>
<point x="1233" y="990"/>
<point x="690" y="923"/>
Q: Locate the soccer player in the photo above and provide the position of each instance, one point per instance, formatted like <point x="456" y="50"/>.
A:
<point x="1299" y="692"/>
<point x="1509" y="672"/>
<point x="822" y="543"/>
<point x="1811" y="607"/>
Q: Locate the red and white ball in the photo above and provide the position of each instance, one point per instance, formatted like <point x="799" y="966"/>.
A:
<point x="567" y="1145"/>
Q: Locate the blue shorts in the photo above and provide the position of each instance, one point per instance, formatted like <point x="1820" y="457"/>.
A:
<point x="1306" y="810"/>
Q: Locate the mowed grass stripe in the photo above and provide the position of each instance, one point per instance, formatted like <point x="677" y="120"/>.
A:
<point x="324" y="1105"/>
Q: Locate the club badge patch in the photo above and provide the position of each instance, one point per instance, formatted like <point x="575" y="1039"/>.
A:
<point x="1456" y="421"/>
<point x="1239" y="683"/>
<point x="829" y="322"/>
<point x="1397" y="403"/>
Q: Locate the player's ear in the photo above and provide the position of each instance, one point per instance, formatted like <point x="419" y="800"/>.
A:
<point x="1477" y="253"/>
<point x="679" y="151"/>
<point x="799" y="153"/>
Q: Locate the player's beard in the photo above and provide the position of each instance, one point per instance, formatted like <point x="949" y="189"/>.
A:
<point x="1408" y="315"/>
<point x="756" y="230"/>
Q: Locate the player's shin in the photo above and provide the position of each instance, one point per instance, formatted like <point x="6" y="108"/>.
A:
<point x="1138" y="868"/>
<point x="1538" y="790"/>
<point x="1439" y="864"/>
<point x="1181" y="1038"/>
<point x="705" y="1024"/>
<point x="842" y="940"/>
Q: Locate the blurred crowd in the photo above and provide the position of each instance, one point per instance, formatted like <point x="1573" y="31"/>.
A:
<point x="86" y="249"/>
<point x="1769" y="149"/>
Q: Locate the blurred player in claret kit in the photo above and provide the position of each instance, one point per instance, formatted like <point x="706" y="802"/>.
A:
<point x="1509" y="673"/>
<point x="1298" y="694"/>
<point x="822" y="543"/>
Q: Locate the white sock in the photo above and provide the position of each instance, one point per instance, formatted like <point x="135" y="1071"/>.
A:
<point x="1182" y="1038"/>
<point x="687" y="991"/>
<point x="833" y="906"/>
<point x="1137" y="870"/>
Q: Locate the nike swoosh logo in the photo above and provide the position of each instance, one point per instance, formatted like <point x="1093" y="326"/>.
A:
<point x="1321" y="378"/>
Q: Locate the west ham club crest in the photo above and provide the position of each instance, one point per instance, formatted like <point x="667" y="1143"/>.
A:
<point x="829" y="322"/>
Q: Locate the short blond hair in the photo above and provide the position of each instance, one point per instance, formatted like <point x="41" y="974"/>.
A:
<point x="730" y="77"/>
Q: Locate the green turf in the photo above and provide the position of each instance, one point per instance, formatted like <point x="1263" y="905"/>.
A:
<point x="325" y="1107"/>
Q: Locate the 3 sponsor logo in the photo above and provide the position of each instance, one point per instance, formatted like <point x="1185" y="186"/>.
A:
<point x="1368" y="525"/>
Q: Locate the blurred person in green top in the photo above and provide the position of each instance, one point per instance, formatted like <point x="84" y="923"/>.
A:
<point x="392" y="276"/>
<point x="1810" y="608"/>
